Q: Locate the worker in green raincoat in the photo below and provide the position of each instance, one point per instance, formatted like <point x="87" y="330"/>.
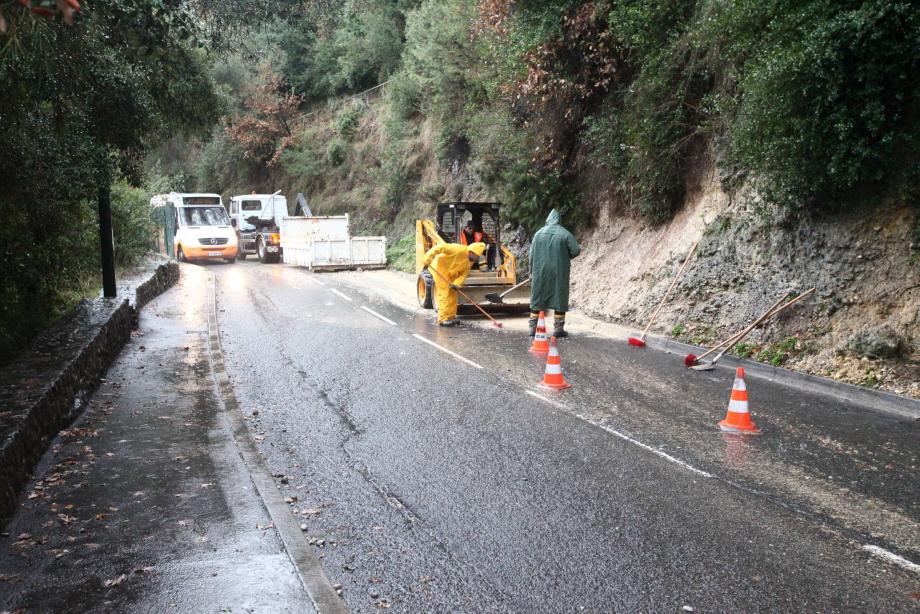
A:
<point x="551" y="250"/>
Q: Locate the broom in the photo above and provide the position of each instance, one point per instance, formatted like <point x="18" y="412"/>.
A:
<point x="640" y="341"/>
<point x="495" y="322"/>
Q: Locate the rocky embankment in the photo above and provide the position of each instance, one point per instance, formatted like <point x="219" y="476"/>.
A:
<point x="861" y="326"/>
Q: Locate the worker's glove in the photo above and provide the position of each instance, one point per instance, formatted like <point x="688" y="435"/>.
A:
<point x="454" y="287"/>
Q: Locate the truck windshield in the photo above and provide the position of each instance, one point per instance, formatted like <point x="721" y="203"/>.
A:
<point x="205" y="216"/>
<point x="252" y="205"/>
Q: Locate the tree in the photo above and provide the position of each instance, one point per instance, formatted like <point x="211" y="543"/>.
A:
<point x="81" y="105"/>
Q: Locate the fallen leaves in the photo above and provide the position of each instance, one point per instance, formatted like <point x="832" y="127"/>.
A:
<point x="115" y="581"/>
<point x="66" y="519"/>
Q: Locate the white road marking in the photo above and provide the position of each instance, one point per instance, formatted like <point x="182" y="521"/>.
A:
<point x="547" y="400"/>
<point x="377" y="315"/>
<point x="891" y="557"/>
<point x="622" y="436"/>
<point x="444" y="349"/>
<point x="344" y="296"/>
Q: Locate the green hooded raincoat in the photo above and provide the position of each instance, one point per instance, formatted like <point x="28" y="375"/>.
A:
<point x="551" y="250"/>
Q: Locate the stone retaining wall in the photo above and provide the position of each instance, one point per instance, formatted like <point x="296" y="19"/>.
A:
<point x="42" y="390"/>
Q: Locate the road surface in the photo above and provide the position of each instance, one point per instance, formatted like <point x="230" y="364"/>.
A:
<point x="428" y="473"/>
<point x="446" y="481"/>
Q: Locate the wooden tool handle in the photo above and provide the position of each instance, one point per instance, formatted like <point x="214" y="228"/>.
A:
<point x="742" y="332"/>
<point x="512" y="288"/>
<point x="772" y="312"/>
<point x="668" y="293"/>
<point x="463" y="294"/>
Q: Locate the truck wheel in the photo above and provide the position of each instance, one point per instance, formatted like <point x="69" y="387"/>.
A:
<point x="425" y="290"/>
<point x="260" y="250"/>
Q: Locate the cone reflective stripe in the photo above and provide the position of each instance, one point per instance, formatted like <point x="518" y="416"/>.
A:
<point x="552" y="377"/>
<point x="540" y="345"/>
<point x="738" y="418"/>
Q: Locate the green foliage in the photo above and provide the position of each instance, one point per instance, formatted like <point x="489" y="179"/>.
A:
<point x="401" y="254"/>
<point x="361" y="48"/>
<point x="677" y="330"/>
<point x="336" y="151"/>
<point x="304" y="163"/>
<point x="131" y="223"/>
<point x="81" y="105"/>
<point x="778" y="353"/>
<point x="828" y="99"/>
<point x="347" y="121"/>
<point x="812" y="101"/>
<point x="745" y="350"/>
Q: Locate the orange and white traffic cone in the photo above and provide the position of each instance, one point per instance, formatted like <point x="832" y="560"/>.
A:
<point x="552" y="378"/>
<point x="540" y="345"/>
<point x="738" y="418"/>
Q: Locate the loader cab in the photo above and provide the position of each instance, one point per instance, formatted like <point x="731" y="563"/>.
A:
<point x="451" y="218"/>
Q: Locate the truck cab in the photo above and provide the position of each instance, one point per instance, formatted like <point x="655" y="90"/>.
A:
<point x="257" y="219"/>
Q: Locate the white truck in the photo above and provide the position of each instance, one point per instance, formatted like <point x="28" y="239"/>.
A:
<point x="257" y="219"/>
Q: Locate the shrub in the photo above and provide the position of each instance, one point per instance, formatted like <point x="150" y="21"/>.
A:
<point x="131" y="223"/>
<point x="401" y="254"/>
<point x="336" y="152"/>
<point x="346" y="124"/>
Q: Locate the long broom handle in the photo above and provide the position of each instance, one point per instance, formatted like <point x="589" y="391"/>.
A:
<point x="472" y="302"/>
<point x="668" y="293"/>
<point x="770" y="315"/>
<point x="741" y="333"/>
<point x="514" y="287"/>
<point x="775" y="309"/>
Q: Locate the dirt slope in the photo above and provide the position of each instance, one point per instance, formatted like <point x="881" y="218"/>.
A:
<point x="867" y="279"/>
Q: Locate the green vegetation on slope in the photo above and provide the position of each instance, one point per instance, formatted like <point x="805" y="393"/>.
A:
<point x="813" y="105"/>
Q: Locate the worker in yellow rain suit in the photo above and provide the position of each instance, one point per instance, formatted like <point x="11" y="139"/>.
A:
<point x="450" y="264"/>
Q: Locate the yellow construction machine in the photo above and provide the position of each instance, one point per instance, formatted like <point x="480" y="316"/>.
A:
<point x="493" y="282"/>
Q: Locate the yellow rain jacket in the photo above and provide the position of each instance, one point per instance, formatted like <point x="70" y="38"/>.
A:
<point x="449" y="264"/>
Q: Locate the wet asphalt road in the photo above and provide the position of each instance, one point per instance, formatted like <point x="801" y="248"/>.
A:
<point x="428" y="484"/>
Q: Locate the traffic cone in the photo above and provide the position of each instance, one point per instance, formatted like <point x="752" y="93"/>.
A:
<point x="539" y="345"/>
<point x="738" y="418"/>
<point x="552" y="378"/>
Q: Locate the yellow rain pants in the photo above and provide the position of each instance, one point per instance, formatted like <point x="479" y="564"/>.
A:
<point x="449" y="264"/>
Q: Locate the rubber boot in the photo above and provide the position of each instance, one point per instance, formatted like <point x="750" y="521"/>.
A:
<point x="559" y="327"/>
<point x="532" y="324"/>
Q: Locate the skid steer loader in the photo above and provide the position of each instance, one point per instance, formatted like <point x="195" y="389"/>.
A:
<point x="494" y="273"/>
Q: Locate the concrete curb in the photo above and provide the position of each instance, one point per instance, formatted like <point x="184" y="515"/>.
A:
<point x="44" y="389"/>
<point x="868" y="398"/>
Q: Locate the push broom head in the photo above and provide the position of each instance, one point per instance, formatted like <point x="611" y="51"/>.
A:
<point x="639" y="343"/>
<point x="690" y="360"/>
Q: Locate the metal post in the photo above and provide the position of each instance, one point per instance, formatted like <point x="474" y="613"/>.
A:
<point x="107" y="241"/>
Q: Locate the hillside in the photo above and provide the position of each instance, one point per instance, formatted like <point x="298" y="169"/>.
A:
<point x="783" y="139"/>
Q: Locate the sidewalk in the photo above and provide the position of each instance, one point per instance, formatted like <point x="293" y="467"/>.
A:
<point x="144" y="504"/>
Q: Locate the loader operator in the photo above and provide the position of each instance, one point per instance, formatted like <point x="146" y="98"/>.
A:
<point x="470" y="234"/>
<point x="450" y="264"/>
<point x="551" y="251"/>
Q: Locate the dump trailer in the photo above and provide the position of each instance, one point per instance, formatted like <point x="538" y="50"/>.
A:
<point x="496" y="272"/>
<point x="325" y="242"/>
